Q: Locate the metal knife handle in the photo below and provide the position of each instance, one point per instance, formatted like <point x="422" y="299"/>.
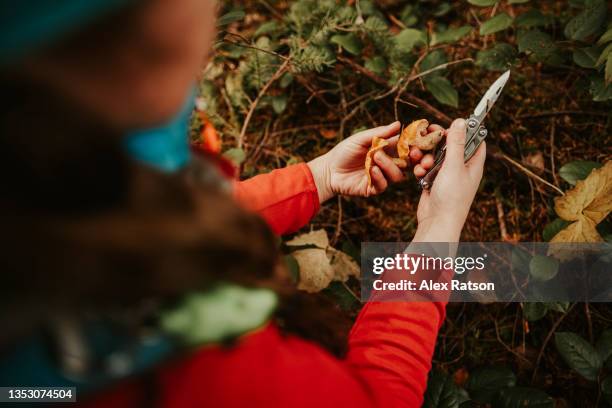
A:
<point x="475" y="134"/>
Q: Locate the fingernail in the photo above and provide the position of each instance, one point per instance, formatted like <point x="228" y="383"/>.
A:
<point x="459" y="124"/>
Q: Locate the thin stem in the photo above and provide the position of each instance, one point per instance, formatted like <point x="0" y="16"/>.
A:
<point x="280" y="71"/>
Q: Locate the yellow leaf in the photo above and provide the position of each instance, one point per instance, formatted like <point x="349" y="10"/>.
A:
<point x="582" y="230"/>
<point x="342" y="265"/>
<point x="591" y="196"/>
<point x="316" y="272"/>
<point x="320" y="265"/>
<point x="317" y="238"/>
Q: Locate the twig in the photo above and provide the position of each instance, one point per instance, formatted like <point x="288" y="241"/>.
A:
<point x="501" y="220"/>
<point x="587" y="312"/>
<point x="338" y="222"/>
<point x="271" y="9"/>
<point x="350" y="291"/>
<point x="252" y="47"/>
<point x="280" y="71"/>
<point x="440" y="116"/>
<point x="563" y="112"/>
<point x="552" y="150"/>
<point x="547" y="339"/>
<point x="531" y="174"/>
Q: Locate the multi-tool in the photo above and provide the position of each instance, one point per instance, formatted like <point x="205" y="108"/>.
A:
<point x="476" y="132"/>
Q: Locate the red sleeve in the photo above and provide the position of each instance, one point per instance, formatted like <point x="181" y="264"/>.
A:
<point x="286" y="198"/>
<point x="391" y="347"/>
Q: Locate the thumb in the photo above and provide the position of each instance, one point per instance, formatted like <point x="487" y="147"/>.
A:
<point x="455" y="143"/>
<point x="364" y="138"/>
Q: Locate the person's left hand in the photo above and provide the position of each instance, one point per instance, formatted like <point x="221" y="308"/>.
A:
<point x="341" y="170"/>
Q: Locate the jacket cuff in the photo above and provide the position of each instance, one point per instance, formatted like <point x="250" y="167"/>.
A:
<point x="286" y="198"/>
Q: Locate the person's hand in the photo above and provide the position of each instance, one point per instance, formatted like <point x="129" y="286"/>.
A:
<point x="341" y="170"/>
<point x="443" y="210"/>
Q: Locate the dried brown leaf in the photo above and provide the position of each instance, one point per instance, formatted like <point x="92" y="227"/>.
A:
<point x="316" y="272"/>
<point x="592" y="197"/>
<point x="317" y="238"/>
<point x="343" y="265"/>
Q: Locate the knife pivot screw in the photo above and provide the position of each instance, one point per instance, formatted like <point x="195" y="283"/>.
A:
<point x="482" y="132"/>
<point x="472" y="123"/>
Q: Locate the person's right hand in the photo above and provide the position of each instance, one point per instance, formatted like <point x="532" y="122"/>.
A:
<point x="443" y="210"/>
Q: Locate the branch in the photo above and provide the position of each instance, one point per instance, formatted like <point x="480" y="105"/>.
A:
<point x="440" y="116"/>
<point x="280" y="71"/>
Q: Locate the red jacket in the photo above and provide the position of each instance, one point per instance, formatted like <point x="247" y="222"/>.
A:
<point x="390" y="346"/>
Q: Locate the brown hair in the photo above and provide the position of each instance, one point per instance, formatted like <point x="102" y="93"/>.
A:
<point x="86" y="230"/>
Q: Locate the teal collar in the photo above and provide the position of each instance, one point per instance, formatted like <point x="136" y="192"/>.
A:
<point x="165" y="147"/>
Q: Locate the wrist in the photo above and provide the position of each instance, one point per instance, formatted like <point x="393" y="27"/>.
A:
<point x="321" y="175"/>
<point x="439" y="229"/>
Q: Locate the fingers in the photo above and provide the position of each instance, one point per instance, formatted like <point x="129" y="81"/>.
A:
<point x="390" y="169"/>
<point x="365" y="138"/>
<point x="476" y="164"/>
<point x="379" y="183"/>
<point x="433" y="127"/>
<point x="415" y="154"/>
<point x="426" y="163"/>
<point x="455" y="144"/>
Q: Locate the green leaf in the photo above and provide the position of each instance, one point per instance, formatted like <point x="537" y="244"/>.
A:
<point x="485" y="382"/>
<point x="482" y="3"/>
<point x="451" y="35"/>
<point x="441" y="392"/>
<point x="350" y="42"/>
<point x="432" y="60"/>
<point x="534" y="310"/>
<point x="606" y="389"/>
<point x="608" y="71"/>
<point x="535" y="41"/>
<point x="523" y="397"/>
<point x="498" y="58"/>
<point x="588" y="22"/>
<point x="376" y="64"/>
<point x="578" y="354"/>
<point x="498" y="23"/>
<point x="266" y="28"/>
<point x="442" y="9"/>
<point x="539" y="45"/>
<point x="575" y="171"/>
<point x="293" y="267"/>
<point x="600" y="90"/>
<point x="604" y="345"/>
<point x="442" y="90"/>
<point x="279" y="103"/>
<point x="543" y="268"/>
<point x="553" y="228"/>
<point x="520" y="260"/>
<point x="230" y="17"/>
<point x="560" y="307"/>
<point x="606" y="37"/>
<point x="286" y="80"/>
<point x="533" y="18"/>
<point x="586" y="57"/>
<point x="604" y="54"/>
<point x="409" y="38"/>
<point x="236" y="155"/>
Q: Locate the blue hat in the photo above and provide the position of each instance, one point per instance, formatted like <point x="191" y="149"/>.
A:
<point x="28" y="24"/>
